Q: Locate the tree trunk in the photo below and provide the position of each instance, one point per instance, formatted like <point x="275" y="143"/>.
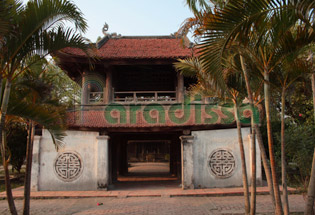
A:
<point x="4" y="108"/>
<point x="29" y="157"/>
<point x="253" y="148"/>
<point x="311" y="186"/>
<point x="270" y="144"/>
<point x="244" y="171"/>
<point x="265" y="163"/>
<point x="283" y="162"/>
<point x="253" y="164"/>
<point x="259" y="137"/>
<point x="309" y="204"/>
<point x="313" y="89"/>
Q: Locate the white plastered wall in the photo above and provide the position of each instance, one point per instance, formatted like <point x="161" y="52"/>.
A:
<point x="84" y="143"/>
<point x="205" y="142"/>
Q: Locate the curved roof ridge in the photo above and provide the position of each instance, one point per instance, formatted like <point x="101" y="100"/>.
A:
<point x="114" y="36"/>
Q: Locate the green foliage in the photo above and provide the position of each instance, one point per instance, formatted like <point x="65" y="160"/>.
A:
<point x="16" y="141"/>
<point x="67" y="91"/>
<point x="300" y="140"/>
<point x="300" y="104"/>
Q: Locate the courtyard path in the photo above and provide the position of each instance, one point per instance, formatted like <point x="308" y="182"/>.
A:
<point x="150" y="205"/>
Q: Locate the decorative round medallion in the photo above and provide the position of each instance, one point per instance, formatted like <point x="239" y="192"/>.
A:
<point x="68" y="166"/>
<point x="222" y="163"/>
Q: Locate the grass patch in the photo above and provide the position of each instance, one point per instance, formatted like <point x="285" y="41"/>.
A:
<point x="17" y="179"/>
<point x="15" y="182"/>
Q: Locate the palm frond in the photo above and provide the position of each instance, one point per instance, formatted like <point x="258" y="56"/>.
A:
<point x="50" y="42"/>
<point x="198" y="5"/>
<point x="193" y="67"/>
<point x="38" y="22"/>
<point x="48" y="118"/>
<point x="8" y="11"/>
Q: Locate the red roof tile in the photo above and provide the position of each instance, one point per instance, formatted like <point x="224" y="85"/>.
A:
<point x="96" y="118"/>
<point x="138" y="48"/>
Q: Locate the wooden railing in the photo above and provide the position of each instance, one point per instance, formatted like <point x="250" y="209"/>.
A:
<point x="145" y="96"/>
<point x="95" y="97"/>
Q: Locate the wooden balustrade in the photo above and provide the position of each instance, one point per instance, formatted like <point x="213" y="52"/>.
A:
<point x="145" y="96"/>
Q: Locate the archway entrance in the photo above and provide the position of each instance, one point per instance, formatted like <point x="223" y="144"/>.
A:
<point x="145" y="160"/>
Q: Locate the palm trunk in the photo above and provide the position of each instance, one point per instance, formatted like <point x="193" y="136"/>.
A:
<point x="29" y="156"/>
<point x="313" y="89"/>
<point x="4" y="108"/>
<point x="310" y="191"/>
<point x="270" y="144"/>
<point x="265" y="163"/>
<point x="253" y="137"/>
<point x="253" y="164"/>
<point x="311" y="186"/>
<point x="259" y="137"/>
<point x="244" y="171"/>
<point x="283" y="162"/>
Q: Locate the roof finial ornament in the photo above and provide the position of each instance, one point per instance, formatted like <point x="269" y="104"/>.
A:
<point x="105" y="29"/>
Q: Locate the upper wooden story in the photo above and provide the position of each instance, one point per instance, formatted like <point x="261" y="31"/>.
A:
<point x="136" y="69"/>
<point x="132" y="84"/>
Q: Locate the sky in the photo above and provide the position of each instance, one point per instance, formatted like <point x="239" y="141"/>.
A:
<point x="133" y="17"/>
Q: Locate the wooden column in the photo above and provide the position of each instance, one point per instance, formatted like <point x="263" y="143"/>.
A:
<point x="180" y="88"/>
<point x="108" y="88"/>
<point x="124" y="158"/>
<point x="84" y="90"/>
<point x="114" y="158"/>
<point x="173" y="156"/>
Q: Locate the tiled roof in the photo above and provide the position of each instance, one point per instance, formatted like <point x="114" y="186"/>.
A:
<point x="163" y="47"/>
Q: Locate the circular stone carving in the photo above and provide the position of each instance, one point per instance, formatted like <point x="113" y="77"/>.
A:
<point x="222" y="163"/>
<point x="68" y="166"/>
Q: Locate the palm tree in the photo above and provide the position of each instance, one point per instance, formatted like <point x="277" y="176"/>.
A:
<point x="48" y="118"/>
<point x="38" y="29"/>
<point x="309" y="206"/>
<point x="284" y="76"/>
<point x="35" y="89"/>
<point x="199" y="23"/>
<point x="232" y="90"/>
<point x="44" y="113"/>
<point x="270" y="20"/>
<point x="255" y="99"/>
<point x="253" y="135"/>
<point x="204" y="15"/>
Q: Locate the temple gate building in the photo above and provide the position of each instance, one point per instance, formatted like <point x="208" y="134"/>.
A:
<point x="135" y="109"/>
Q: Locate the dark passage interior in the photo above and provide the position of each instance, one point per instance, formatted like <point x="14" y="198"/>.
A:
<point x="145" y="160"/>
<point x="148" y="157"/>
